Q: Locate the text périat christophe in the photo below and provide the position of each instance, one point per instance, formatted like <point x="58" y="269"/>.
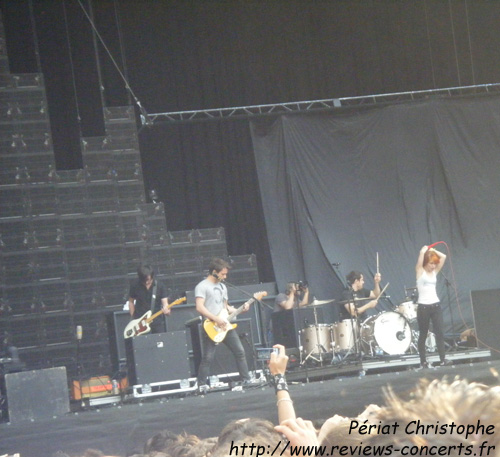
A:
<point x="419" y="428"/>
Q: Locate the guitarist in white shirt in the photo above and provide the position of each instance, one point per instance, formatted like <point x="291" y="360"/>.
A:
<point x="211" y="300"/>
<point x="141" y="297"/>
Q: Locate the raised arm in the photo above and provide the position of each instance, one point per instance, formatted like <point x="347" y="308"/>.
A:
<point x="442" y="259"/>
<point x="419" y="267"/>
<point x="289" y="302"/>
<point x="277" y="367"/>
<point x="305" y="298"/>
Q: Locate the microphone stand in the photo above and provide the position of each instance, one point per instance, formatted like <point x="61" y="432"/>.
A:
<point x="251" y="346"/>
<point x="356" y="330"/>
<point x="79" y="367"/>
<point x="244" y="292"/>
<point x="341" y="278"/>
<point x="447" y="283"/>
<point x="355" y="327"/>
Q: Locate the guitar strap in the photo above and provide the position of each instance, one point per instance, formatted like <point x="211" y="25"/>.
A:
<point x="153" y="297"/>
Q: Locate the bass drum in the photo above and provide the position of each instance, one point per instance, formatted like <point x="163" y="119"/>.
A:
<point x="387" y="332"/>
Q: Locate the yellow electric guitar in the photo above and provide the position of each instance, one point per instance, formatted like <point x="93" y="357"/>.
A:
<point x="216" y="333"/>
<point x="141" y="325"/>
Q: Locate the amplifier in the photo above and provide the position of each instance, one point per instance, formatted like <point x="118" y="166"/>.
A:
<point x="157" y="357"/>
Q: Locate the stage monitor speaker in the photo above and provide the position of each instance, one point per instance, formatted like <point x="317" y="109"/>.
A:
<point x="224" y="361"/>
<point x="157" y="357"/>
<point x="37" y="394"/>
<point x="486" y="311"/>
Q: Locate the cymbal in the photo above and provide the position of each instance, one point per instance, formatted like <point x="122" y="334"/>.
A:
<point x="320" y="302"/>
<point x="354" y="299"/>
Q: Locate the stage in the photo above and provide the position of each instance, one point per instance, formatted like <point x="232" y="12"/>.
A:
<point x="122" y="426"/>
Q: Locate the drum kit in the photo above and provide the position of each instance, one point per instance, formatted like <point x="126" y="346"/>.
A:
<point x="387" y="333"/>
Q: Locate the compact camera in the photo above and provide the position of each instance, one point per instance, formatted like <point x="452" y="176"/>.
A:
<point x="265" y="353"/>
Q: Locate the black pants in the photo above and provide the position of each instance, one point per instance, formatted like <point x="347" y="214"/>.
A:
<point x="233" y="342"/>
<point x="425" y="315"/>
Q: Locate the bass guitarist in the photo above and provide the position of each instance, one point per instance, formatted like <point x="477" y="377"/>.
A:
<point x="147" y="293"/>
<point x="211" y="303"/>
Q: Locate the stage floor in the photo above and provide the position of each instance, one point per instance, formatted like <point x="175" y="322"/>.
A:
<point x="122" y="428"/>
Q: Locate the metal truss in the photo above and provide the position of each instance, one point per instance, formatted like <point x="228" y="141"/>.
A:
<point x="311" y="105"/>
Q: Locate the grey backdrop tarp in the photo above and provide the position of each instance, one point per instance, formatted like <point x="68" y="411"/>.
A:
<point x="340" y="188"/>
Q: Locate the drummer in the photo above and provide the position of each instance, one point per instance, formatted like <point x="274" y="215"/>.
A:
<point x="295" y="295"/>
<point x="355" y="291"/>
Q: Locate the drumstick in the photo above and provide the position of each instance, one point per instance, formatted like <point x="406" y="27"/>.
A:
<point x="377" y="264"/>
<point x="382" y="291"/>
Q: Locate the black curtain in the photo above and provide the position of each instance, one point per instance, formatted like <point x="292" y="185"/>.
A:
<point x="340" y="188"/>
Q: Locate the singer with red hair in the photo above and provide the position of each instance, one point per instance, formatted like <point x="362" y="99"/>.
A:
<point x="429" y="264"/>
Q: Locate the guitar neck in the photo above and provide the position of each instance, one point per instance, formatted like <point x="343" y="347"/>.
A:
<point x="239" y="310"/>
<point x="155" y="315"/>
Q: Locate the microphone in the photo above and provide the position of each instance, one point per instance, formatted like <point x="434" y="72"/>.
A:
<point x="335" y="264"/>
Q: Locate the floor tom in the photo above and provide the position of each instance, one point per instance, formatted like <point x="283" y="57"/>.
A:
<point x="344" y="335"/>
<point x="317" y="339"/>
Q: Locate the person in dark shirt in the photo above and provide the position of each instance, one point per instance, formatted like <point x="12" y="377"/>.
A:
<point x="141" y="299"/>
<point x="355" y="292"/>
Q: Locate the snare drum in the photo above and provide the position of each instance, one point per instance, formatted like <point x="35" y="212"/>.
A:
<point x="389" y="332"/>
<point x="317" y="339"/>
<point x="408" y="309"/>
<point x="344" y="334"/>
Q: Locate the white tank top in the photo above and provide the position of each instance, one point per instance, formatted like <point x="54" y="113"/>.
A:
<point x="426" y="286"/>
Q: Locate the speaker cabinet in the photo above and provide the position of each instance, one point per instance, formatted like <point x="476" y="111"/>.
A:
<point x="284" y="329"/>
<point x="37" y="394"/>
<point x="157" y="357"/>
<point x="224" y="361"/>
<point x="116" y="323"/>
<point x="486" y="311"/>
<point x="179" y="316"/>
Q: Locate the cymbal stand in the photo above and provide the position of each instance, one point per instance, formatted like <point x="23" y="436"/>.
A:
<point x="318" y="344"/>
<point x="355" y="334"/>
<point x="357" y="337"/>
